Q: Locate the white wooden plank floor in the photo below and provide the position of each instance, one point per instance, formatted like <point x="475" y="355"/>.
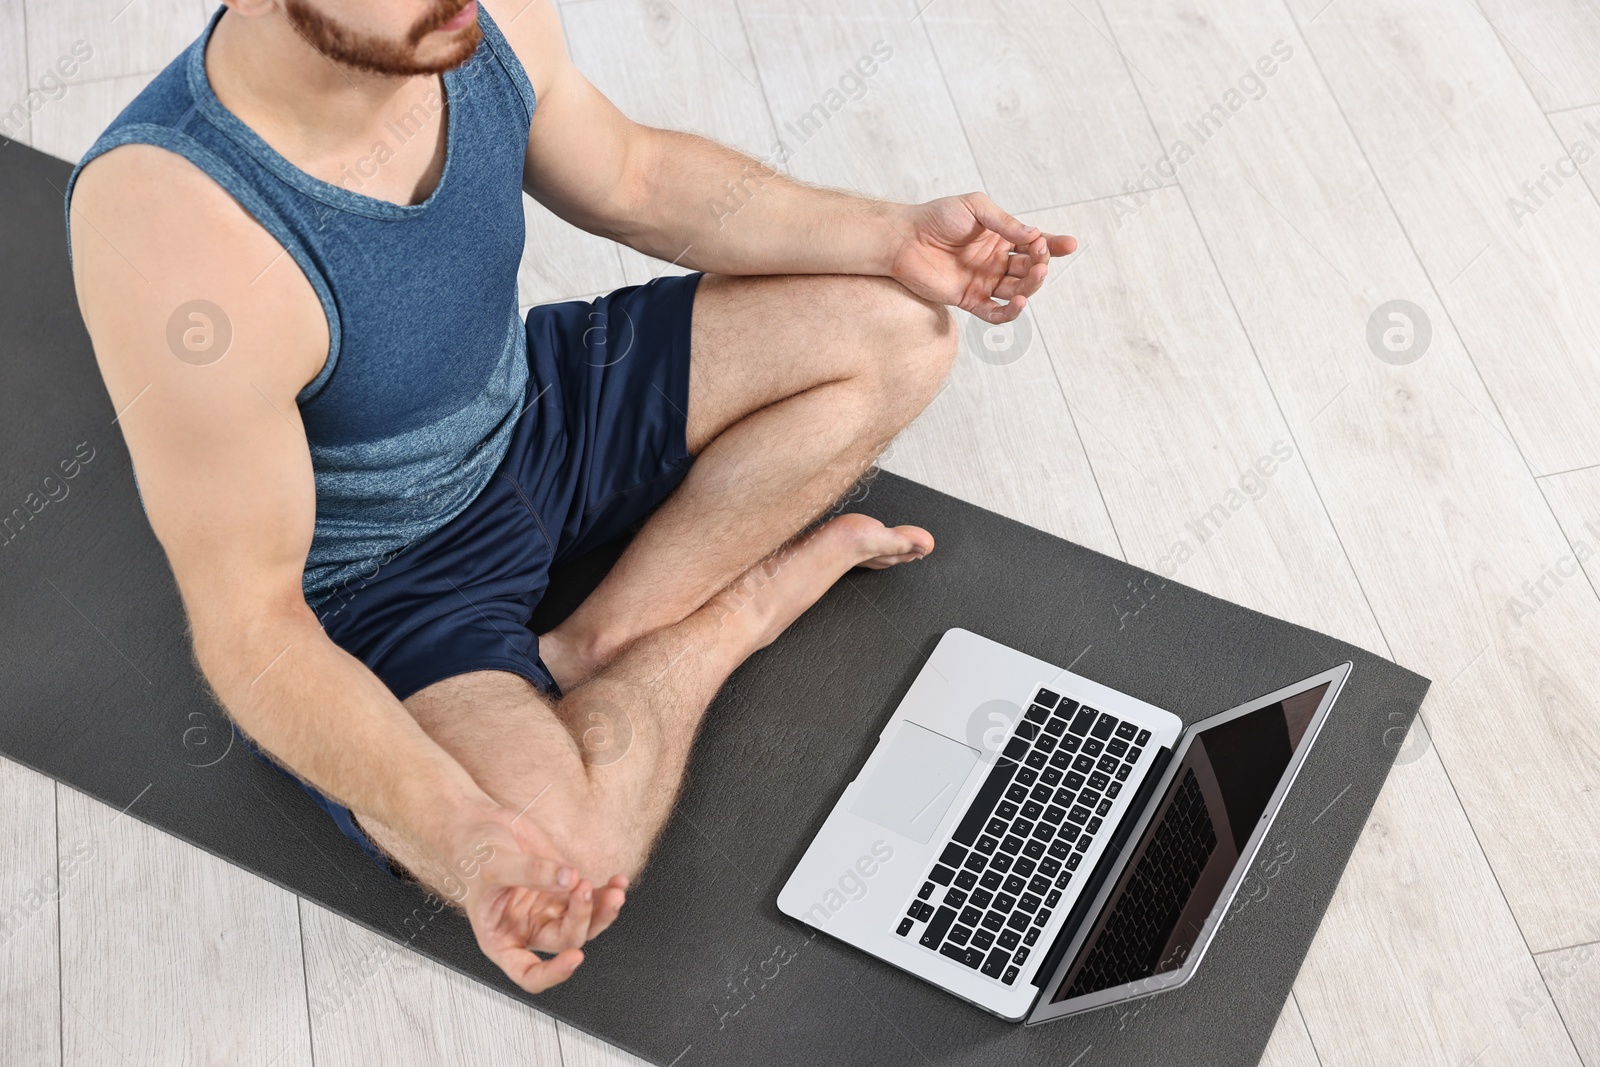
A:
<point x="1445" y="511"/>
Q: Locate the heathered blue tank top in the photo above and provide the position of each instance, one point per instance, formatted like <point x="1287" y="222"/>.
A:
<point x="427" y="362"/>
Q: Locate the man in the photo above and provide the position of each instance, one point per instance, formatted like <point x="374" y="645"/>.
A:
<point x="296" y="254"/>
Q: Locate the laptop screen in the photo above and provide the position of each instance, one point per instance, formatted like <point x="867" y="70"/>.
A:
<point x="1187" y="853"/>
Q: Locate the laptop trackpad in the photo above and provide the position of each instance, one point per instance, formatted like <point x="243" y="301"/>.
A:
<point x="914" y="782"/>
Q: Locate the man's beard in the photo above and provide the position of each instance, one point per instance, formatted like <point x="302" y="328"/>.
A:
<point x="380" y="55"/>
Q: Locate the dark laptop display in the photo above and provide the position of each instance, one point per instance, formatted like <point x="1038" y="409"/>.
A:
<point x="1189" y="850"/>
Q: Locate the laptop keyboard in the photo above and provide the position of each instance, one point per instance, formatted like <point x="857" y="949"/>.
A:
<point x="1129" y="947"/>
<point x="1002" y="874"/>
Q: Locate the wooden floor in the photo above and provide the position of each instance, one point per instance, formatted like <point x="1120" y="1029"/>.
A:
<point x="1254" y="183"/>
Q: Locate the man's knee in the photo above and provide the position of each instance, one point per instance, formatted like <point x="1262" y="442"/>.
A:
<point x="913" y="346"/>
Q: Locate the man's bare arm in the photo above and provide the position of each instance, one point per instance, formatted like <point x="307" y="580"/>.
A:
<point x="225" y="474"/>
<point x="689" y="200"/>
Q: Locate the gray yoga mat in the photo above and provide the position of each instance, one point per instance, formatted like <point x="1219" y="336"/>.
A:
<point x="100" y="692"/>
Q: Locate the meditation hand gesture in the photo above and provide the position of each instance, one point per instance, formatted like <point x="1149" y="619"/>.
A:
<point x="966" y="251"/>
<point x="521" y="901"/>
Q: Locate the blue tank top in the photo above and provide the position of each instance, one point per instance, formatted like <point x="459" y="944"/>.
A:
<point x="427" y="356"/>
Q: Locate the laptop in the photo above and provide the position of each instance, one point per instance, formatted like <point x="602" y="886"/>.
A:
<point x="1040" y="845"/>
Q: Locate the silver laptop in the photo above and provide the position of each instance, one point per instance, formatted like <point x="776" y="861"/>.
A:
<point x="1040" y="845"/>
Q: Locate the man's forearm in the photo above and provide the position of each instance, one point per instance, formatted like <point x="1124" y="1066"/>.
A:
<point x="329" y="719"/>
<point x="705" y="206"/>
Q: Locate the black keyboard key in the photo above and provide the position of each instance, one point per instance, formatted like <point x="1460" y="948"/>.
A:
<point x="1056" y="726"/>
<point x="1050" y="776"/>
<point x="1032" y="936"/>
<point x="1001" y="862"/>
<point x="1061" y="849"/>
<point x="1073" y="782"/>
<point x="1061" y="760"/>
<point x="938" y="926"/>
<point x="942" y="874"/>
<point x="1015" y="884"/>
<point x="1052" y="898"/>
<point x="1036" y="714"/>
<point x="1118" y="748"/>
<point x="1102" y="808"/>
<point x="1004" y="902"/>
<point x="1098" y="780"/>
<point x="955" y="898"/>
<point x="1039" y="884"/>
<point x="1144" y="735"/>
<point x="1071" y="744"/>
<point x="1027" y="775"/>
<point x="1054" y="814"/>
<point x="1040" y="793"/>
<point x="1044" y="831"/>
<point x="1016" y="748"/>
<point x="1045" y="744"/>
<point x="1126" y="730"/>
<point x="982" y="938"/>
<point x="904" y="928"/>
<point x="1036" y="759"/>
<point x="926" y="891"/>
<point x="1032" y="809"/>
<point x="1022" y="827"/>
<point x="1047" y="698"/>
<point x="1029" y="903"/>
<point x="975" y="862"/>
<point x="1122" y="772"/>
<point x="1113" y="789"/>
<point x="1072" y="861"/>
<point x="1011" y="845"/>
<point x="1109" y="763"/>
<point x="1017" y="921"/>
<point x="1020" y="957"/>
<point x="966" y="879"/>
<point x="1134" y="754"/>
<point x="980" y="897"/>
<point x="1010" y="975"/>
<point x="952" y="855"/>
<point x="993" y="921"/>
<point x="1079" y="814"/>
<point x="971" y="957"/>
<point x="996" y="827"/>
<point x="959" y="934"/>
<point x="1064" y="798"/>
<point x="1027" y="730"/>
<point x="1083" y="843"/>
<point x="1034" y="848"/>
<point x="1089" y="798"/>
<point x="1062" y="879"/>
<point x="1006" y="810"/>
<point x="1010" y="939"/>
<point x="986" y="845"/>
<point x="991" y="879"/>
<point x="920" y="911"/>
<point x="1083" y="764"/>
<point x="1049" y="867"/>
<point x="1017" y="793"/>
<point x="1093" y="826"/>
<point x="1069" y="832"/>
<point x="1091" y="747"/>
<point x="1103" y="726"/>
<point x="995" y="965"/>
<point x="1083" y="720"/>
<point x="988" y="796"/>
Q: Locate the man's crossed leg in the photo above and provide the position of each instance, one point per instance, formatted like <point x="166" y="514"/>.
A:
<point x="796" y="385"/>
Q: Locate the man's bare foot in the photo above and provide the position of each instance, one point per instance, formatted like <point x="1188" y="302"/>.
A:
<point x="776" y="591"/>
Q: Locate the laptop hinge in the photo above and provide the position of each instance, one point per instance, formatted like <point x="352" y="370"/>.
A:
<point x="1103" y="869"/>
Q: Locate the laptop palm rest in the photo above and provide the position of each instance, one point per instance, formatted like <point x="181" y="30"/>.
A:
<point x="915" y="782"/>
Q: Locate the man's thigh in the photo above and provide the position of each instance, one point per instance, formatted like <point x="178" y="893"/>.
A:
<point x="757" y="340"/>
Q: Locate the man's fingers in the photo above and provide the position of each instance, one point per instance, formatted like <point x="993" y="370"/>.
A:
<point x="996" y="314"/>
<point x="574" y="927"/>
<point x="608" y="905"/>
<point x="533" y="974"/>
<point x="988" y="212"/>
<point x="1062" y="245"/>
<point x="507" y="868"/>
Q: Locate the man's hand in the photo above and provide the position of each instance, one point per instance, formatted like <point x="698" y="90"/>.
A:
<point x="521" y="898"/>
<point x="965" y="251"/>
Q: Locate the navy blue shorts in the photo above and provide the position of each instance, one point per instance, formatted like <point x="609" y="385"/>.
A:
<point x="601" y="443"/>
